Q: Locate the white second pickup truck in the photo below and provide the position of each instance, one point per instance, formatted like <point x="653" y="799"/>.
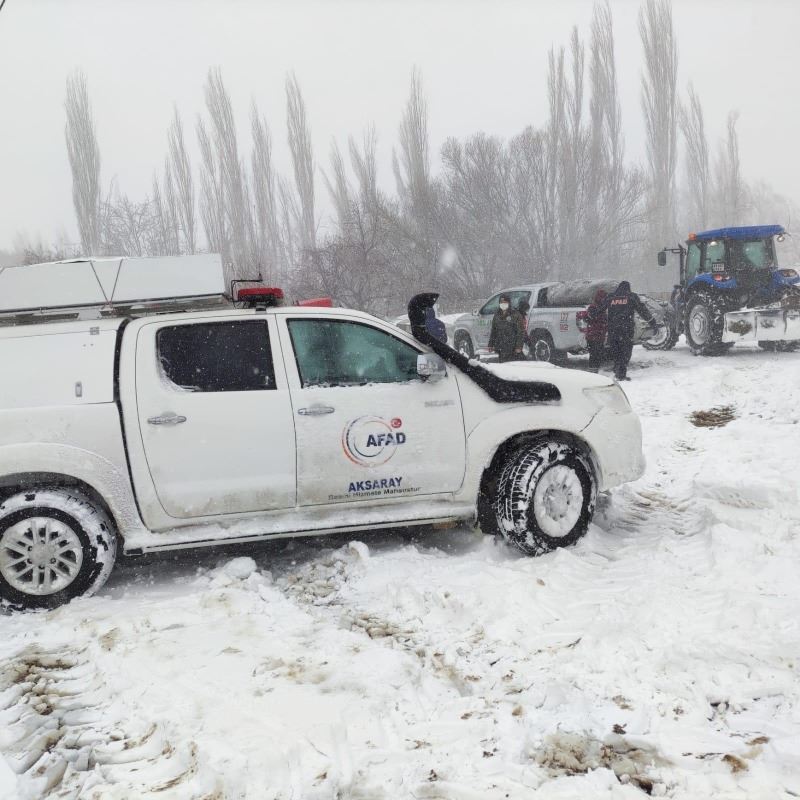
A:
<point x="554" y="329"/>
<point x="146" y="421"/>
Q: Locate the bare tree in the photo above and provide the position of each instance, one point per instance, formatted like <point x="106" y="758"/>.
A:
<point x="212" y="197"/>
<point x="84" y="161"/>
<point x="660" y="107"/>
<point x="607" y="180"/>
<point x="268" y="238"/>
<point x="302" y="164"/>
<point x="128" y="225"/>
<point x="180" y="170"/>
<point x="730" y="187"/>
<point x="417" y="192"/>
<point x="698" y="172"/>
<point x="354" y="264"/>
<point x="234" y="191"/>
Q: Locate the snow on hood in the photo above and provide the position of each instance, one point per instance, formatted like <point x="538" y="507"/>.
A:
<point x="544" y="371"/>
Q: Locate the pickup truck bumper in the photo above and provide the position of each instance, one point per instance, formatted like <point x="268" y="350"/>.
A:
<point x="762" y="325"/>
<point x="616" y="440"/>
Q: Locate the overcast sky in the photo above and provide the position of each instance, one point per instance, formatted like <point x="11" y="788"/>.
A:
<point x="483" y="67"/>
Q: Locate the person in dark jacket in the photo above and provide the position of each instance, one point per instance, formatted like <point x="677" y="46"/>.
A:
<point x="620" y="308"/>
<point x="435" y="326"/>
<point x="524" y="307"/>
<point x="506" y="336"/>
<point x="596" y="329"/>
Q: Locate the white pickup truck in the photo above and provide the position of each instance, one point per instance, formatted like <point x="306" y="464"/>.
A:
<point x="147" y="419"/>
<point x="554" y="328"/>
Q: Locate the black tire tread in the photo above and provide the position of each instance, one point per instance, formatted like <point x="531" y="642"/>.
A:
<point x="514" y="490"/>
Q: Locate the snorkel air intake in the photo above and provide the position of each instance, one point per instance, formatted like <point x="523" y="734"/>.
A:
<point x="499" y="389"/>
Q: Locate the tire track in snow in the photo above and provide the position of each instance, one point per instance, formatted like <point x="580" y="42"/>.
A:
<point x="66" y="735"/>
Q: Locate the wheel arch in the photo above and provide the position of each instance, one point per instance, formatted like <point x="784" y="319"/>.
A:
<point x="20" y="481"/>
<point x="517" y="440"/>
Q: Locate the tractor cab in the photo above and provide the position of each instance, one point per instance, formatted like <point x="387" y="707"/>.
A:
<point x="740" y="260"/>
<point x="732" y="289"/>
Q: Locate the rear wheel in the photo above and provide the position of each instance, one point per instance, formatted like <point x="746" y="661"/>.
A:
<point x="463" y="343"/>
<point x="55" y="545"/>
<point x="666" y="337"/>
<point x="705" y="319"/>
<point x="543" y="349"/>
<point x="545" y="497"/>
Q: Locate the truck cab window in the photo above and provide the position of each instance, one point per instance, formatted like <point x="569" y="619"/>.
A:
<point x="340" y="353"/>
<point x="490" y="306"/>
<point x="217" y="356"/>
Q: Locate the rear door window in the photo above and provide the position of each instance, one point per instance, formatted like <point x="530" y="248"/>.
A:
<point x="217" y="356"/>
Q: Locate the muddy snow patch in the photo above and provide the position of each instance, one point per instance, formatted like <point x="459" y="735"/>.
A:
<point x="713" y="418"/>
<point x="565" y="753"/>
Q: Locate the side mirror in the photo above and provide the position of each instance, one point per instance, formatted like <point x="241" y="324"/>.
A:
<point x="662" y="258"/>
<point x="430" y="366"/>
<point x="475" y="312"/>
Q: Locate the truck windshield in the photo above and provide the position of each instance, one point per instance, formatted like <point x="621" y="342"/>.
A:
<point x="758" y="254"/>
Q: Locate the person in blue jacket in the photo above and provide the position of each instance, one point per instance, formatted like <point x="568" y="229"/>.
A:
<point x="434" y="326"/>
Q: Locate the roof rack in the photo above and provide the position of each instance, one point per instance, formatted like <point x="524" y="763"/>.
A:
<point x="110" y="287"/>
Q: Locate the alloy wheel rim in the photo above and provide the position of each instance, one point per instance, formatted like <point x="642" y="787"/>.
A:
<point x="40" y="555"/>
<point x="542" y="350"/>
<point x="558" y="501"/>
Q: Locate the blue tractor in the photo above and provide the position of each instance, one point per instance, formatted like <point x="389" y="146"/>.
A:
<point x="732" y="290"/>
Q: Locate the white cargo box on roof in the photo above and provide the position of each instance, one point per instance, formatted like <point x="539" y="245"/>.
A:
<point x="109" y="281"/>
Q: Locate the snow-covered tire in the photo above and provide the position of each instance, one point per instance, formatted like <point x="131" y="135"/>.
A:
<point x="55" y="544"/>
<point x="705" y="323"/>
<point x="542" y="348"/>
<point x="463" y="343"/>
<point x="545" y="497"/>
<point x="667" y="336"/>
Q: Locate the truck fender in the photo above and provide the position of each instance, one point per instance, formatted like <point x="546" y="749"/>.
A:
<point x="59" y="463"/>
<point x="493" y="434"/>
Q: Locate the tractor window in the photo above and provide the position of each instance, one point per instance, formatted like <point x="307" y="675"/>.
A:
<point x="693" y="260"/>
<point x="714" y="252"/>
<point x="750" y="255"/>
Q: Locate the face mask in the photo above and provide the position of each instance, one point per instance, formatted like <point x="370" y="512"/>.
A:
<point x="504" y="306"/>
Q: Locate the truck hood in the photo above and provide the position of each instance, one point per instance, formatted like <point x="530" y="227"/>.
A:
<point x="544" y="371"/>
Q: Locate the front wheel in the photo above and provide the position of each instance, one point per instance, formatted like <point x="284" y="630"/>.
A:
<point x="705" y="319"/>
<point x="55" y="545"/>
<point x="545" y="497"/>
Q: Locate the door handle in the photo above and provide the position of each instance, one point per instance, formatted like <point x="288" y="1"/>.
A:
<point x="167" y="419"/>
<point x="315" y="411"/>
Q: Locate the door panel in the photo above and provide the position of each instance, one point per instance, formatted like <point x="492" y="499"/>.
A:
<point x="368" y="428"/>
<point x="215" y="419"/>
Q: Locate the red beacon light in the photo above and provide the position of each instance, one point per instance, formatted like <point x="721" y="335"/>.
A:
<point x="252" y="296"/>
<point x="317" y="302"/>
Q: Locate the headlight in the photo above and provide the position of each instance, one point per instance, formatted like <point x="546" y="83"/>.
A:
<point x="611" y="398"/>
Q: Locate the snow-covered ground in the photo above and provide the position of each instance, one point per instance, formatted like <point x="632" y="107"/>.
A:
<point x="660" y="655"/>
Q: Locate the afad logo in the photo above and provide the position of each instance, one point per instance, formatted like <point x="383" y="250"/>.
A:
<point x="372" y="441"/>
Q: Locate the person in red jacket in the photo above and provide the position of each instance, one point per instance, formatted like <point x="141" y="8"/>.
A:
<point x="596" y="329"/>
